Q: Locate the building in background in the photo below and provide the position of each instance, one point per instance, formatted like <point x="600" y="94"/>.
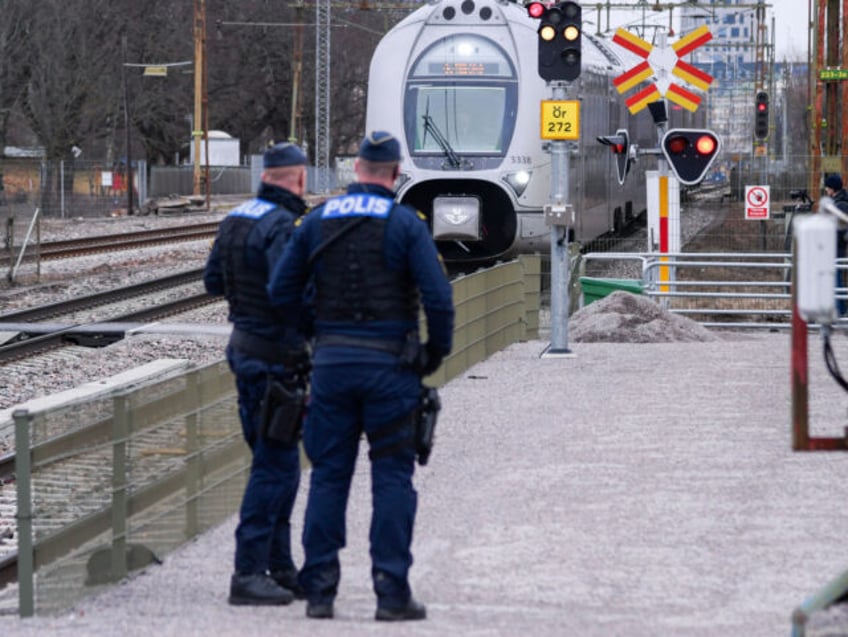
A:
<point x="732" y="58"/>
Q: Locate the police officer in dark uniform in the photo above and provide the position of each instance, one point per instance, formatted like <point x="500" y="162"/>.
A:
<point x="833" y="188"/>
<point x="372" y="261"/>
<point x="250" y="241"/>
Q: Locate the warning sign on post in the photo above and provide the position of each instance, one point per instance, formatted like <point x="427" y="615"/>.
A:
<point x="757" y="202"/>
<point x="561" y="119"/>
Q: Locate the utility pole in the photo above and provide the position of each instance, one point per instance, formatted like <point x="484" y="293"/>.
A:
<point x="559" y="64"/>
<point x="127" y="123"/>
<point x="829" y="138"/>
<point x="199" y="129"/>
<point x="322" y="95"/>
<point x="297" y="70"/>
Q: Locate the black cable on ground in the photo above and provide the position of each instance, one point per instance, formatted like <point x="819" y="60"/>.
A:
<point x="830" y="361"/>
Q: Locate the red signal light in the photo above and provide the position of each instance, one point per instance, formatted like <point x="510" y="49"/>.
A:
<point x="535" y="9"/>
<point x="677" y="145"/>
<point x="705" y="145"/>
<point x="761" y="116"/>
<point x="690" y="152"/>
<point x="620" y="146"/>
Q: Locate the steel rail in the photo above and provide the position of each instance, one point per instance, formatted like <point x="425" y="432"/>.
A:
<point x="93" y="338"/>
<point x="52" y="310"/>
<point x="63" y="249"/>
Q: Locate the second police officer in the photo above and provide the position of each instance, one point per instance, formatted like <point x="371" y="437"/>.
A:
<point x="372" y="261"/>
<point x="250" y="240"/>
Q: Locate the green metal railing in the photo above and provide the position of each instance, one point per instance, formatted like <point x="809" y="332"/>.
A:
<point x="164" y="463"/>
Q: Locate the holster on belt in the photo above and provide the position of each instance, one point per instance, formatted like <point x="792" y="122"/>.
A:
<point x="282" y="410"/>
<point x="425" y="425"/>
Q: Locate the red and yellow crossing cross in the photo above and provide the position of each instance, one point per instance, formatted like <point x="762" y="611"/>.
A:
<point x="664" y="65"/>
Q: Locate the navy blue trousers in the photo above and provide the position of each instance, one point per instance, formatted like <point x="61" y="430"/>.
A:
<point x="263" y="535"/>
<point x="346" y="399"/>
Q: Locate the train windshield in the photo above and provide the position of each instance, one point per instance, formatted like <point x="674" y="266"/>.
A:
<point x="460" y="98"/>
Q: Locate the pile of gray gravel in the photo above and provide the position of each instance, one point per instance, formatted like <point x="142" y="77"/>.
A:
<point x="623" y="317"/>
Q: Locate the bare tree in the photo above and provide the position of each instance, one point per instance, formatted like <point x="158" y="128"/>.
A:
<point x="14" y="65"/>
<point x="250" y="78"/>
<point x="159" y="32"/>
<point x="71" y="76"/>
<point x="353" y="44"/>
<point x="62" y="72"/>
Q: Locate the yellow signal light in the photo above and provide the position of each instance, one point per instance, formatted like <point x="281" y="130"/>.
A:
<point x="547" y="33"/>
<point x="571" y="33"/>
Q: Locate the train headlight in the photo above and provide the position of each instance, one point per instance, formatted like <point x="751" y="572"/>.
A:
<point x="518" y="181"/>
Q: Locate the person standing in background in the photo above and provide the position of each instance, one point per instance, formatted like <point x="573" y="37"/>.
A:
<point x="833" y="189"/>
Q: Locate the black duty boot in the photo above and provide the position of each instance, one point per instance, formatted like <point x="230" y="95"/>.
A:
<point x="412" y="610"/>
<point x="257" y="589"/>
<point x="320" y="610"/>
<point x="288" y="580"/>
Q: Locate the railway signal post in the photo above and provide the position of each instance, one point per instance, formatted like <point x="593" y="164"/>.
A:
<point x="559" y="40"/>
<point x="620" y="146"/>
<point x="688" y="153"/>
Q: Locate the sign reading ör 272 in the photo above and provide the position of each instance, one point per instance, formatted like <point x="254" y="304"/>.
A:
<point x="560" y="119"/>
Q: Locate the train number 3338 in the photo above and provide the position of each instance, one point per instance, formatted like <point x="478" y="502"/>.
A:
<point x="560" y="119"/>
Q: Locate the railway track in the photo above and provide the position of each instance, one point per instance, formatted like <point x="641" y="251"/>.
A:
<point x="72" y="486"/>
<point x="92" y="337"/>
<point x="70" y="248"/>
<point x="61" y="308"/>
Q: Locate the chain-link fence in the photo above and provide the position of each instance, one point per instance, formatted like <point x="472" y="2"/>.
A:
<point x="67" y="189"/>
<point x="64" y="189"/>
<point x="94" y="188"/>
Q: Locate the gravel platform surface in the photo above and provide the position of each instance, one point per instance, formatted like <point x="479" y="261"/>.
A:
<point x="635" y="490"/>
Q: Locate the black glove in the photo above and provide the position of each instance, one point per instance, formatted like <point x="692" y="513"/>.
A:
<point x="428" y="360"/>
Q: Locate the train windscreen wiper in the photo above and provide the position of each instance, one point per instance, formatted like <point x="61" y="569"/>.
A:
<point x="450" y="153"/>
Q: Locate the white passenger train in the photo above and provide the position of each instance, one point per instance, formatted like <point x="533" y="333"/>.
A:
<point x="457" y="81"/>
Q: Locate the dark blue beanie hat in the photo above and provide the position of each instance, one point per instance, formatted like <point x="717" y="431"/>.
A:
<point x="380" y="146"/>
<point x="833" y="181"/>
<point x="283" y="154"/>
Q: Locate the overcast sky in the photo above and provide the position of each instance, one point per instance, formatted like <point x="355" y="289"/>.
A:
<point x="790" y="32"/>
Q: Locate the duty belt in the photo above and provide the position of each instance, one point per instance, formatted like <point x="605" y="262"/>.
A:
<point x="256" y="346"/>
<point x="343" y="340"/>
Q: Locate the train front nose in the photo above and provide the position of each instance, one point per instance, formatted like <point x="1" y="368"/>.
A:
<point x="471" y="220"/>
<point x="456" y="218"/>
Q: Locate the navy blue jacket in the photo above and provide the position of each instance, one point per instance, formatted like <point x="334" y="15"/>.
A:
<point x="408" y="246"/>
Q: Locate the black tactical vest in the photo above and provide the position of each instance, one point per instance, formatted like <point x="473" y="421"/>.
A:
<point x="355" y="284"/>
<point x="244" y="287"/>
